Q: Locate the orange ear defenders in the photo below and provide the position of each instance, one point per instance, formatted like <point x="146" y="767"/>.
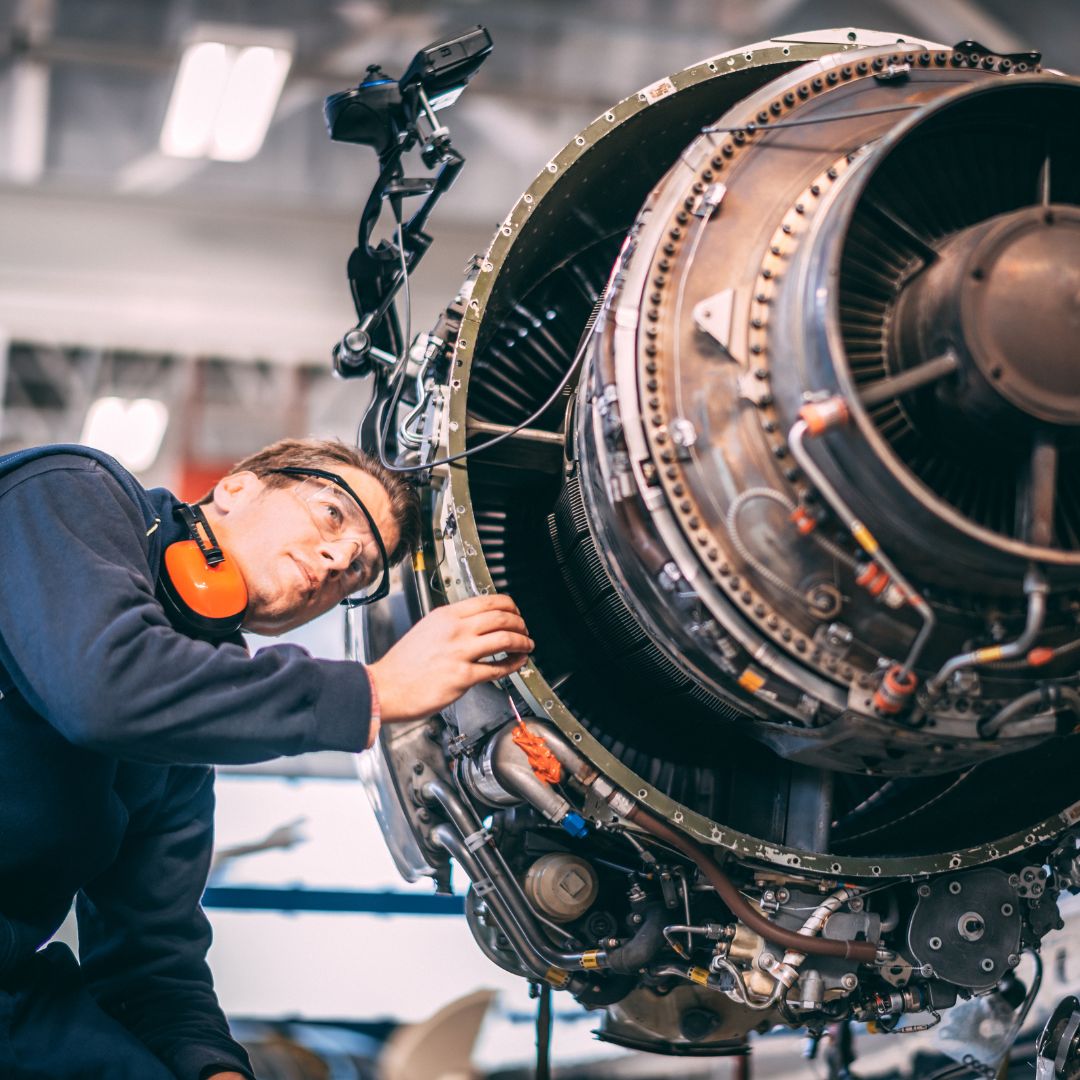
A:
<point x="199" y="585"/>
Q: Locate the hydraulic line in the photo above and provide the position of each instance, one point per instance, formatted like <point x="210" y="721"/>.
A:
<point x="448" y="838"/>
<point x="740" y="991"/>
<point x="740" y="545"/>
<point x="829" y="414"/>
<point x="865" y="952"/>
<point x="482" y="853"/>
<point x="1036" y="589"/>
<point x="787" y="971"/>
<point x="1046" y="697"/>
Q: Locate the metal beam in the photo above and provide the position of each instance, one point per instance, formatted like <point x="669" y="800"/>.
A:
<point x="258" y="898"/>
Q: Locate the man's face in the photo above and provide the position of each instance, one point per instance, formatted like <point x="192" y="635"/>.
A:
<point x="292" y="570"/>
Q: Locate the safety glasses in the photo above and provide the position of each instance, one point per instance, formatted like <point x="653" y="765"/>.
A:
<point x="342" y="518"/>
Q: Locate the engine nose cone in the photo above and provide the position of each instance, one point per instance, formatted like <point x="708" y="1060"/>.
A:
<point x="1021" y="312"/>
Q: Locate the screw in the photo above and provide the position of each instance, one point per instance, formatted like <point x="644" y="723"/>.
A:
<point x="1006" y="910"/>
<point x="927" y="971"/>
<point x="849" y="981"/>
<point x="923" y="890"/>
<point x="987" y="964"/>
<point x="418" y="768"/>
<point x="935" y="943"/>
<point x="955" y="888"/>
<point x="1013" y="959"/>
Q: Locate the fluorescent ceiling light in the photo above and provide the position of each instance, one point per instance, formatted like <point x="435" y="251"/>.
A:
<point x="196" y="97"/>
<point x="130" y="430"/>
<point x="224" y="100"/>
<point x="248" y="102"/>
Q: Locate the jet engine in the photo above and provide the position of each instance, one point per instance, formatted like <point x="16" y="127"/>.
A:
<point x="764" y="406"/>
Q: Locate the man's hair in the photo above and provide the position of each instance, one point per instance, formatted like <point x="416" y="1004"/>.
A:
<point x="326" y="454"/>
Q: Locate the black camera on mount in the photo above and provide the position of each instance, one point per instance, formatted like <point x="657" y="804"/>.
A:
<point x="393" y="116"/>
<point x="381" y="110"/>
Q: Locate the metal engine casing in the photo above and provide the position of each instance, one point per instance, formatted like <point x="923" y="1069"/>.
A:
<point x="692" y="571"/>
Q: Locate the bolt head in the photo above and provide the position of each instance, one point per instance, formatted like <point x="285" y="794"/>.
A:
<point x="923" y="890"/>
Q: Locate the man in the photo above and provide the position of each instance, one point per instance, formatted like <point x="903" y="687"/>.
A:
<point x="113" y="707"/>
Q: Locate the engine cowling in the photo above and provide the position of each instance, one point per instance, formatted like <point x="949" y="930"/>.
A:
<point x="800" y="543"/>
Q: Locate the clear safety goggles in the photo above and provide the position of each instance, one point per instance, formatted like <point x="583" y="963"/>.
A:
<point x="343" y="520"/>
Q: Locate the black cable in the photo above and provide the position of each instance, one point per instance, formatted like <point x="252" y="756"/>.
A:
<point x="551" y="399"/>
<point x="751" y="127"/>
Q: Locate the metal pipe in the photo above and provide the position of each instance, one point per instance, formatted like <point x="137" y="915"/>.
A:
<point x="866" y="540"/>
<point x="865" y="952"/>
<point x="787" y="971"/>
<point x="1035" y="589"/>
<point x="1049" y="697"/>
<point x="477" y="841"/>
<point x="531" y="957"/>
<point x="739" y="989"/>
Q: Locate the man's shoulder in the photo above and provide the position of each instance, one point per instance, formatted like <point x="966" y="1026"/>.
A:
<point x="15" y="471"/>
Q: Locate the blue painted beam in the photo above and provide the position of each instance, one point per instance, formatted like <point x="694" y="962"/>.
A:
<point x="259" y="898"/>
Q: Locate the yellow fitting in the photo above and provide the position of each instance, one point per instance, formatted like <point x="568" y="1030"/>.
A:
<point x="864" y="537"/>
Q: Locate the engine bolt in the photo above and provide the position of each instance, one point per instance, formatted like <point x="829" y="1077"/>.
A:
<point x="987" y="964"/>
<point x="1006" y="910"/>
<point x="923" y="890"/>
<point x="849" y="981"/>
<point x="955" y="888"/>
<point x="934" y="943"/>
<point x="1013" y="959"/>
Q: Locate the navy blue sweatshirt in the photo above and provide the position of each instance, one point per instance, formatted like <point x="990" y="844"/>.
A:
<point x="109" y="721"/>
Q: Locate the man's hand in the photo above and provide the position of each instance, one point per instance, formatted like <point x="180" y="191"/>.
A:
<point x="442" y="656"/>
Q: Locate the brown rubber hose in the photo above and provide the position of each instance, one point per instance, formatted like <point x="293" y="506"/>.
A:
<point x="865" y="952"/>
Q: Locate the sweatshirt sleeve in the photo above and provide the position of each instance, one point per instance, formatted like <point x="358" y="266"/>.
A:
<point x="143" y="936"/>
<point x="88" y="645"/>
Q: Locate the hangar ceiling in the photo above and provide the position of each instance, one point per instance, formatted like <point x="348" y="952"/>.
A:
<point x="110" y="245"/>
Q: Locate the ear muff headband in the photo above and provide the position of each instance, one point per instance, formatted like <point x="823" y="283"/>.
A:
<point x="199" y="584"/>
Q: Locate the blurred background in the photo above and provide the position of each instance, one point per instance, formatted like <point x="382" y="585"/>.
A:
<point x="172" y="277"/>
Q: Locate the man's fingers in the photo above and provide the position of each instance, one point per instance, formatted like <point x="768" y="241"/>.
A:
<point x="499" y="642"/>
<point x="476" y="604"/>
<point x="497" y="669"/>
<point x="487" y="622"/>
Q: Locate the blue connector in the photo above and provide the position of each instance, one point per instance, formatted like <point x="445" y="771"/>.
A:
<point x="575" y="825"/>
